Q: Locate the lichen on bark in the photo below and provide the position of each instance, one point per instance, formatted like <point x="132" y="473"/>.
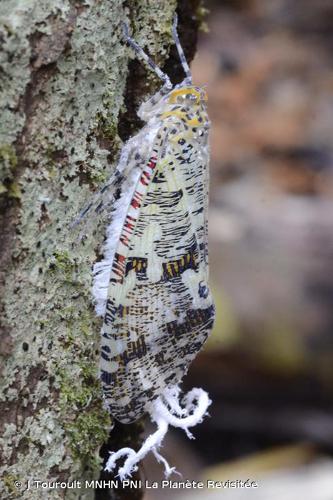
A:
<point x="64" y="71"/>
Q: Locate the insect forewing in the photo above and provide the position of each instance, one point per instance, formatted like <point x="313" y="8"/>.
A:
<point x="159" y="309"/>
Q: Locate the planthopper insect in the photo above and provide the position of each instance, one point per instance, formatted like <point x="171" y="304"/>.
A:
<point x="152" y="285"/>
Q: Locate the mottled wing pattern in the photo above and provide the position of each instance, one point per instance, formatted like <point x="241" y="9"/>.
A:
<point x="159" y="309"/>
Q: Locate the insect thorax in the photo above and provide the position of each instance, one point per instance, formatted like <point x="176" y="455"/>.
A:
<point x="184" y="103"/>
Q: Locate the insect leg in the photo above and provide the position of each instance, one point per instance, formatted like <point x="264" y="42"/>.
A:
<point x="105" y="196"/>
<point x="181" y="54"/>
<point x="144" y="56"/>
<point x="97" y="202"/>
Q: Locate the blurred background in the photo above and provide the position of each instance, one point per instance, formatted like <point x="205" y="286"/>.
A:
<point x="268" y="365"/>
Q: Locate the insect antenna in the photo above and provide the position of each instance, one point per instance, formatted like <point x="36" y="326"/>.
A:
<point x="181" y="54"/>
<point x="144" y="56"/>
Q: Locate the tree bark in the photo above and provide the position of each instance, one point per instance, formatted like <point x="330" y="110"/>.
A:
<point x="69" y="99"/>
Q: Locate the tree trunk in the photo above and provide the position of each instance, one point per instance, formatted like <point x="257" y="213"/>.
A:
<point x="68" y="100"/>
